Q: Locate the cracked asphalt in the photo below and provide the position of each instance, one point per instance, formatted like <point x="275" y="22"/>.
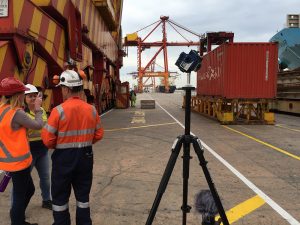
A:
<point x="129" y="163"/>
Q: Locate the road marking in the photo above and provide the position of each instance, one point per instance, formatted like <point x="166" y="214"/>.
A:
<point x="264" y="143"/>
<point x="139" y="113"/>
<point x="244" y="208"/>
<point x="279" y="125"/>
<point x="106" y="112"/>
<point x="284" y="214"/>
<point x="139" y="117"/>
<point x="138" y="120"/>
<point x="153" y="125"/>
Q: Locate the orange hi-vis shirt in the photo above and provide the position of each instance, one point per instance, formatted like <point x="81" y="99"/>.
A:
<point x="14" y="147"/>
<point x="72" y="124"/>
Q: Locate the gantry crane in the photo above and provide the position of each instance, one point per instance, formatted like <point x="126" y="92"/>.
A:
<point x="141" y="44"/>
<point x="149" y="75"/>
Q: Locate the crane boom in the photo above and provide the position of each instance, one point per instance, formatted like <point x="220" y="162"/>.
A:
<point x="141" y="44"/>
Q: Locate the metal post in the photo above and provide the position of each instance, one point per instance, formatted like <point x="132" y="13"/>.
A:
<point x="188" y="76"/>
<point x="186" y="150"/>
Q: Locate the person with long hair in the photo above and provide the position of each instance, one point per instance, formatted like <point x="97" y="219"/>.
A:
<point x="15" y="156"/>
<point x="40" y="157"/>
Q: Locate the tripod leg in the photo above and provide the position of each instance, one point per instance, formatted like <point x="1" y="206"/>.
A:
<point x="186" y="165"/>
<point x="165" y="178"/>
<point x="199" y="151"/>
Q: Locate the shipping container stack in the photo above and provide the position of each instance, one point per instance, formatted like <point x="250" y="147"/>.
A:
<point x="237" y="81"/>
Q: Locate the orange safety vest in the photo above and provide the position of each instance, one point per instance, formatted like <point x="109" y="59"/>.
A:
<point x="14" y="147"/>
<point x="72" y="124"/>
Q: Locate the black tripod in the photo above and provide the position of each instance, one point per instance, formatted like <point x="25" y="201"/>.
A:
<point x="186" y="140"/>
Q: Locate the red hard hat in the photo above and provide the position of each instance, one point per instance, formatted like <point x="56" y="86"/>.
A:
<point x="11" y="86"/>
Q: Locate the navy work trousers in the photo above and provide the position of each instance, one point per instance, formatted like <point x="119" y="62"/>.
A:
<point x="71" y="168"/>
<point x="23" y="190"/>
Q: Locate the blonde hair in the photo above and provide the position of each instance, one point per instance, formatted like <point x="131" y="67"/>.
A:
<point x="14" y="101"/>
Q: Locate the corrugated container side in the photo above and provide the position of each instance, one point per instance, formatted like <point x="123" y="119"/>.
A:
<point x="239" y="70"/>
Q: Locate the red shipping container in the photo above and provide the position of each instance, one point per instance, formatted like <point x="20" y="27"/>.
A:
<point x="239" y="70"/>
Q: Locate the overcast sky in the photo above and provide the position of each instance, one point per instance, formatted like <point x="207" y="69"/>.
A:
<point x="251" y="21"/>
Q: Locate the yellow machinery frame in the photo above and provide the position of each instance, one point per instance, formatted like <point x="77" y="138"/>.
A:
<point x="234" y="111"/>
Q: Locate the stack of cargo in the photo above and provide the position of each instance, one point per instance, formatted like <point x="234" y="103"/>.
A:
<point x="236" y="83"/>
<point x="288" y="82"/>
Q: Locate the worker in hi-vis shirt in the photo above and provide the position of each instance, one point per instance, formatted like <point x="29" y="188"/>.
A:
<point x="72" y="128"/>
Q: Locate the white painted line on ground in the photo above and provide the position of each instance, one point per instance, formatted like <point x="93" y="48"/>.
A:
<point x="289" y="218"/>
<point x="285" y="127"/>
<point x="106" y="112"/>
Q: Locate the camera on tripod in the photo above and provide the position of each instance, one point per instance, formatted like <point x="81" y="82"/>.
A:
<point x="189" y="62"/>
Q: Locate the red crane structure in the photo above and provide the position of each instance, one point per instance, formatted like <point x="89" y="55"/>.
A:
<point x="148" y="71"/>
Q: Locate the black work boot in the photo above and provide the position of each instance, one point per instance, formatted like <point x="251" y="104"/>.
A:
<point x="47" y="204"/>
<point x="27" y="223"/>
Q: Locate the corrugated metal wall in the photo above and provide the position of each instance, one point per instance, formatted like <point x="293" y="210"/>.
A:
<point x="239" y="70"/>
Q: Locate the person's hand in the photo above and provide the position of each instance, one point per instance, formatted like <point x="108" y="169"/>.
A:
<point x="38" y="101"/>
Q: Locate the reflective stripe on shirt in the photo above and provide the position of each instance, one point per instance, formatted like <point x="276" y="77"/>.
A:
<point x="4" y="112"/>
<point x="35" y="135"/>
<point x="75" y="132"/>
<point x="9" y="157"/>
<point x="61" y="112"/>
<point x="74" y="144"/>
<point x="50" y="129"/>
<point x="94" y="112"/>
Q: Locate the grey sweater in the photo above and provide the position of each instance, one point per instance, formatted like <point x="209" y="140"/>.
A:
<point x="21" y="119"/>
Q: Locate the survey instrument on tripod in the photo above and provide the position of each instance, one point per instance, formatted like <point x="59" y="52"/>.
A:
<point x="186" y="63"/>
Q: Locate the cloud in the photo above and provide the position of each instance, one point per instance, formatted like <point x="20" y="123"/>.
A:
<point x="251" y="21"/>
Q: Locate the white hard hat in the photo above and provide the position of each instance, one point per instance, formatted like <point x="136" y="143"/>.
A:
<point x="69" y="78"/>
<point x="32" y="89"/>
